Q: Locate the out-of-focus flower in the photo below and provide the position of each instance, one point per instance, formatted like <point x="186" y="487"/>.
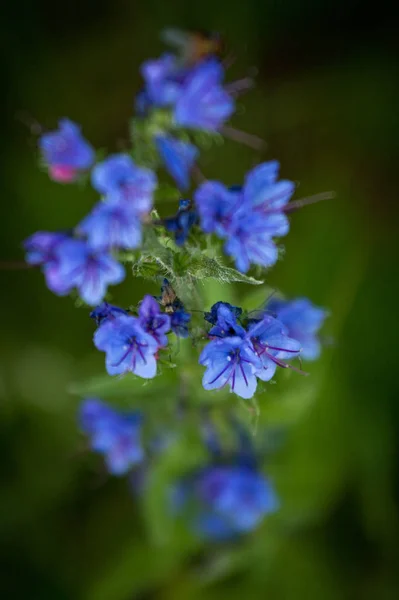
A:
<point x="66" y="152"/>
<point x="249" y="217"/>
<point x="127" y="346"/>
<point x="120" y="180"/>
<point x="202" y="102"/>
<point x="114" y="434"/>
<point x="303" y="321"/>
<point x="111" y="226"/>
<point x="178" y="158"/>
<point x="76" y="265"/>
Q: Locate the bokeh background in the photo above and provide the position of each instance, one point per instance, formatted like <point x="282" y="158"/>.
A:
<point x="324" y="102"/>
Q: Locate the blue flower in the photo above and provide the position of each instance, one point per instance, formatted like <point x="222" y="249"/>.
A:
<point x="153" y="321"/>
<point x="119" y="179"/>
<point x="303" y="321"/>
<point x="78" y="266"/>
<point x="112" y="433"/>
<point x="40" y="247"/>
<point x="235" y="500"/>
<point x="225" y="322"/>
<point x="127" y="346"/>
<point x="250" y="240"/>
<point x="248" y="217"/>
<point x="111" y="226"/>
<point x="272" y="345"/>
<point x="178" y="158"/>
<point x="212" y="316"/>
<point x="163" y="79"/>
<point x="216" y="207"/>
<point x="104" y="312"/>
<point x="182" y="222"/>
<point x="179" y="320"/>
<point x="229" y="496"/>
<point x="232" y="361"/>
<point x="202" y="102"/>
<point x="66" y="152"/>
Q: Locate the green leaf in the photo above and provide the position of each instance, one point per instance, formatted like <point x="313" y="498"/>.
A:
<point x="201" y="266"/>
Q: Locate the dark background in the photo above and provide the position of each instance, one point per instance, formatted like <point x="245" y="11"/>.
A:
<point x="326" y="103"/>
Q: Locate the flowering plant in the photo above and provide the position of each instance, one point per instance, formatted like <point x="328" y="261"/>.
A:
<point x="219" y="232"/>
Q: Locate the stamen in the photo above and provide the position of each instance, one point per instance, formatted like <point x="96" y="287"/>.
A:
<point x="296" y="204"/>
<point x="241" y="85"/>
<point x="253" y="141"/>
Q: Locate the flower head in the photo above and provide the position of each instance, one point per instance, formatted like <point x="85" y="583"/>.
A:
<point x="66" y="152"/>
<point x="112" y="225"/>
<point x="105" y="311"/>
<point x="272" y="345"/>
<point x="232" y="361"/>
<point x="114" y="434"/>
<point x="77" y="265"/>
<point x="302" y="320"/>
<point x="153" y="321"/>
<point x="178" y="158"/>
<point x="128" y="347"/>
<point x="182" y="222"/>
<point x="119" y="180"/>
<point x="202" y="102"/>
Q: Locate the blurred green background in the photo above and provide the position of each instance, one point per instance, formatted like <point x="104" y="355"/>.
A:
<point x="324" y="102"/>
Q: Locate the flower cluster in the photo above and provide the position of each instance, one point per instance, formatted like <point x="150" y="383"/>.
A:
<point x="238" y="356"/>
<point x="84" y="258"/>
<point x="230" y="495"/>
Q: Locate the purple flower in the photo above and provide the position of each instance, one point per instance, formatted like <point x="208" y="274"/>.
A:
<point x="229" y="496"/>
<point x="235" y="499"/>
<point x="272" y="345"/>
<point x="216" y="207"/>
<point x="66" y="152"/>
<point x="118" y="178"/>
<point x="127" y="346"/>
<point x="248" y="217"/>
<point x="303" y="321"/>
<point x="250" y="239"/>
<point x="233" y="361"/>
<point x="40" y="247"/>
<point x="225" y="322"/>
<point x="112" y="433"/>
<point x="78" y="266"/>
<point x="153" y="321"/>
<point x="104" y="312"/>
<point x="202" y="102"/>
<point x="112" y="226"/>
<point x="162" y="78"/>
<point x="182" y="222"/>
<point x="178" y="158"/>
